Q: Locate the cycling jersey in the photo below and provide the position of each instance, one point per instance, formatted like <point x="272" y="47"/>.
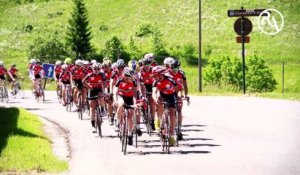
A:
<point x="95" y="80"/>
<point x="179" y="77"/>
<point x="78" y="73"/>
<point x="115" y="75"/>
<point x="65" y="77"/>
<point x="37" y="69"/>
<point x="88" y="69"/>
<point x="125" y="89"/>
<point x="3" y="71"/>
<point x="146" y="77"/>
<point x="57" y="70"/>
<point x="166" y="86"/>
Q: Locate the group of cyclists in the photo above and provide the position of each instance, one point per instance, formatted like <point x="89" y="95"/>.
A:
<point x="111" y="85"/>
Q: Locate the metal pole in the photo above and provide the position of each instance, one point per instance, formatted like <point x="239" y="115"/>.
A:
<point x="200" y="50"/>
<point x="243" y="53"/>
<point x="283" y="77"/>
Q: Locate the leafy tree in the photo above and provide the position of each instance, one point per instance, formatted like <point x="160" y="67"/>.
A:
<point x="47" y="50"/>
<point x="114" y="49"/>
<point x="79" y="32"/>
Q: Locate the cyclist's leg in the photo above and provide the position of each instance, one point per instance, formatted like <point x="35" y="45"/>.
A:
<point x="93" y="103"/>
<point x="160" y="110"/>
<point x="172" y="101"/>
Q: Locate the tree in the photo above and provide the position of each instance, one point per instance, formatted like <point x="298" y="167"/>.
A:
<point x="47" y="50"/>
<point x="79" y="32"/>
<point x="114" y="49"/>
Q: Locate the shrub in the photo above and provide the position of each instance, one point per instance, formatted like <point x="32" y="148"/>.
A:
<point x="145" y="30"/>
<point x="114" y="50"/>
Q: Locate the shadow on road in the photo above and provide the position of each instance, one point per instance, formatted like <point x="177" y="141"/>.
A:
<point x="171" y="152"/>
<point x="32" y="109"/>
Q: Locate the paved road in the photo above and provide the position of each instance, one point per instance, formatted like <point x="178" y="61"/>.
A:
<point x="222" y="135"/>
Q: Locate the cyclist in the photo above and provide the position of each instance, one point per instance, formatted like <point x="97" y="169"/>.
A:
<point x="168" y="61"/>
<point x="87" y="67"/>
<point x="14" y="72"/>
<point x="146" y="80"/>
<point x="4" y="72"/>
<point x="125" y="93"/>
<point x="68" y="61"/>
<point x="57" y="71"/>
<point x="133" y="65"/>
<point x="164" y="90"/>
<point x="37" y="73"/>
<point x="64" y="79"/>
<point x="117" y="72"/>
<point x="107" y="70"/>
<point x="95" y="82"/>
<point x="77" y="74"/>
<point x="180" y="78"/>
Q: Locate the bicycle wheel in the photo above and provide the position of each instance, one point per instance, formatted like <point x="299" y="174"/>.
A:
<point x="99" y="121"/>
<point x="80" y="106"/>
<point x="6" y="95"/>
<point x="149" y="128"/>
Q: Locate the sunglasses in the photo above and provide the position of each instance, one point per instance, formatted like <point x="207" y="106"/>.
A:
<point x="96" y="69"/>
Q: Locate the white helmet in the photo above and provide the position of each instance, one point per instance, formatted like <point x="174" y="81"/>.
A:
<point x="86" y="62"/>
<point x="149" y="56"/>
<point x="1" y="63"/>
<point x="96" y="65"/>
<point x="94" y="61"/>
<point x="58" y="62"/>
<point x="78" y="62"/>
<point x="64" y="66"/>
<point x="168" y="61"/>
<point x="32" y="61"/>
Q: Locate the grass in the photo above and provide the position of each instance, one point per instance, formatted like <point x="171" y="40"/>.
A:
<point x="177" y="21"/>
<point x="24" y="147"/>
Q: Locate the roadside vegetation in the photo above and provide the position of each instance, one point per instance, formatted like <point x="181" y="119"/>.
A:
<point x="24" y="147"/>
<point x="164" y="27"/>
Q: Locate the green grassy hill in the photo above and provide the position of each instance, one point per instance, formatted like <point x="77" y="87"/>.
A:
<point x="176" y="19"/>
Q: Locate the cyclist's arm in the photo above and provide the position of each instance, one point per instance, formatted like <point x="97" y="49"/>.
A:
<point x="154" y="94"/>
<point x="10" y="75"/>
<point x="84" y="82"/>
<point x="186" y="90"/>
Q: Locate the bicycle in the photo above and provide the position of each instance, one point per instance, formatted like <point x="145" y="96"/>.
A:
<point x="3" y="91"/>
<point x="39" y="91"/>
<point x="59" y="92"/>
<point x="17" y="90"/>
<point x="98" y="116"/>
<point x="178" y="123"/>
<point x="165" y="128"/>
<point x="147" y="113"/>
<point x="123" y="131"/>
<point x="68" y="96"/>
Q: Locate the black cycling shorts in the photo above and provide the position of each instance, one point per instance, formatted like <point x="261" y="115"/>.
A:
<point x="2" y="77"/>
<point x="78" y="84"/>
<point x="148" y="88"/>
<point x="127" y="100"/>
<point x="170" y="99"/>
<point x="66" y="82"/>
<point x="37" y="76"/>
<point x="93" y="93"/>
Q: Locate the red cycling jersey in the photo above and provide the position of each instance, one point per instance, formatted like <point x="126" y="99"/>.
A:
<point x="125" y="89"/>
<point x="179" y="77"/>
<point x="3" y="71"/>
<point x="65" y="76"/>
<point x="88" y="69"/>
<point x="78" y="73"/>
<point x="166" y="86"/>
<point x="146" y="77"/>
<point x="70" y="67"/>
<point x="57" y="69"/>
<point x="115" y="75"/>
<point x="13" y="71"/>
<point x="95" y="80"/>
<point x="37" y="69"/>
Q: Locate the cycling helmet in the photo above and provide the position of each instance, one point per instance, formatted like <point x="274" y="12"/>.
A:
<point x="149" y="56"/>
<point x="86" y="62"/>
<point x="105" y="59"/>
<point x="64" y="66"/>
<point x="96" y="66"/>
<point x="58" y="62"/>
<point x="141" y="62"/>
<point x="38" y="61"/>
<point x="120" y="63"/>
<point x="158" y="70"/>
<point x="128" y="72"/>
<point x="13" y="65"/>
<point x="133" y="65"/>
<point x="175" y="64"/>
<point x="68" y="61"/>
<point x="106" y="62"/>
<point x="1" y="63"/>
<point x="32" y="61"/>
<point x="78" y="62"/>
<point x="168" y="61"/>
<point x="147" y="61"/>
<point x="114" y="65"/>
<point x="93" y="61"/>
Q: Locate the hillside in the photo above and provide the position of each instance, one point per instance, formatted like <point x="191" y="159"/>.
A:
<point x="177" y="20"/>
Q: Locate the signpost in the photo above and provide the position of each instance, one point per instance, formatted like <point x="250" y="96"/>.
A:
<point x="243" y="27"/>
<point x="49" y="70"/>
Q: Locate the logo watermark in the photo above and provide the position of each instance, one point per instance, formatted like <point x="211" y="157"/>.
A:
<point x="269" y="23"/>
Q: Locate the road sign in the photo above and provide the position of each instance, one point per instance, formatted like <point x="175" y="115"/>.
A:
<point x="49" y="70"/>
<point x="239" y="39"/>
<point x="239" y="13"/>
<point x="247" y="27"/>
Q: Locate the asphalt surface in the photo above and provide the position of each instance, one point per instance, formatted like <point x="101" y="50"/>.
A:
<point x="222" y="135"/>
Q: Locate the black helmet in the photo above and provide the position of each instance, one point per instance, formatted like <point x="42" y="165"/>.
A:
<point x="175" y="64"/>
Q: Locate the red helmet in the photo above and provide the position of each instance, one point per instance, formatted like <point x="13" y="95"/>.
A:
<point x="158" y="70"/>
